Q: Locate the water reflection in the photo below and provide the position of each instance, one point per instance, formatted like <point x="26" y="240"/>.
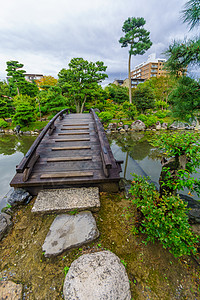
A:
<point x="12" y="150"/>
<point x="138" y="154"/>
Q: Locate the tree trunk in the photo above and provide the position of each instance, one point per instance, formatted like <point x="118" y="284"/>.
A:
<point x="129" y="77"/>
<point x="82" y="106"/>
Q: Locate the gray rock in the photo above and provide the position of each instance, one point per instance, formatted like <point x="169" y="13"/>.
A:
<point x="126" y="127"/>
<point x="5" y="224"/>
<point x="98" y="275"/>
<point x="179" y="125"/>
<point x="112" y="126"/>
<point x="26" y="132"/>
<point x="138" y="125"/>
<point x="158" y="125"/>
<point x="120" y="124"/>
<point x="19" y="196"/>
<point x="164" y="126"/>
<point x="122" y="130"/>
<point x="64" y="200"/>
<point x="70" y="231"/>
<point x="10" y="290"/>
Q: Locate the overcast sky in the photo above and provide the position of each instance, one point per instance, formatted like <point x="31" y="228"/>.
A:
<point x="45" y="35"/>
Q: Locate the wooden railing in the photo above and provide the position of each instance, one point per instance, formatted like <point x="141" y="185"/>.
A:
<point x="29" y="160"/>
<point x="106" y="159"/>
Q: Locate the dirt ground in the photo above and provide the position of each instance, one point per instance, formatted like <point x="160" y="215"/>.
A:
<point x="153" y="272"/>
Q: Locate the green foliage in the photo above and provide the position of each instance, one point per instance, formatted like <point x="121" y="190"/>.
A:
<point x="182" y="54"/>
<point x="66" y="269"/>
<point x="161" y="114"/>
<point x="5" y="108"/>
<point x="4" y="89"/>
<point x="151" y="120"/>
<point x="163" y="219"/>
<point x="143" y="98"/>
<point x="162" y="87"/>
<point x="80" y="82"/>
<point x="142" y="117"/>
<point x="185" y="148"/>
<point x="136" y="36"/>
<point x="25" y="110"/>
<point x="16" y="76"/>
<point x="129" y="109"/>
<point x="186" y="98"/>
<point x="28" y="88"/>
<point x="191" y="13"/>
<point x="117" y="93"/>
<point x="105" y="116"/>
<point x="3" y="124"/>
<point x="161" y="104"/>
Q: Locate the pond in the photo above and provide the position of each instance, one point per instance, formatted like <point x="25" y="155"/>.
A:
<point x="134" y="148"/>
<point x="140" y="156"/>
<point x="12" y="150"/>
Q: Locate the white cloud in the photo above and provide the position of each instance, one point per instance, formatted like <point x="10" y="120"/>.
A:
<point x="45" y="35"/>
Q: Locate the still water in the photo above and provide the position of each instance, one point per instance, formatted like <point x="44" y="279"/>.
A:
<point x="140" y="156"/>
<point x="12" y="150"/>
<point x="134" y="148"/>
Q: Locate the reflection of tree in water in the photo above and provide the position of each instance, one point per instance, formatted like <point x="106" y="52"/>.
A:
<point x="136" y="144"/>
<point x="140" y="150"/>
<point x="9" y="144"/>
<point x="156" y="154"/>
<point x="24" y="143"/>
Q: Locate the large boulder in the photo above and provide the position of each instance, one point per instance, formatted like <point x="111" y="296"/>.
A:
<point x="98" y="275"/>
<point x="5" y="223"/>
<point x="70" y="231"/>
<point x="138" y="125"/>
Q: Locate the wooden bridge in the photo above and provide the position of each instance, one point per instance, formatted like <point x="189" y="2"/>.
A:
<point x="71" y="151"/>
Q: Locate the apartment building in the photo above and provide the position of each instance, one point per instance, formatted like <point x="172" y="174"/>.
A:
<point x="31" y="77"/>
<point x="153" y="67"/>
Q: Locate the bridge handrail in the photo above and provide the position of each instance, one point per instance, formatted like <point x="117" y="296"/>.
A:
<point x="104" y="151"/>
<point x="21" y="167"/>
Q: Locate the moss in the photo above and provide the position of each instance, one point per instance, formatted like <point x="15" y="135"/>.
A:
<point x="153" y="272"/>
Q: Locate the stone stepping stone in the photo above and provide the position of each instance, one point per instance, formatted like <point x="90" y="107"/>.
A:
<point x="70" y="231"/>
<point x="10" y="290"/>
<point x="65" y="200"/>
<point x="98" y="275"/>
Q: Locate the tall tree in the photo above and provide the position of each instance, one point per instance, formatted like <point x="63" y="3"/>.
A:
<point x="80" y="80"/>
<point x="138" y="39"/>
<point x="16" y="76"/>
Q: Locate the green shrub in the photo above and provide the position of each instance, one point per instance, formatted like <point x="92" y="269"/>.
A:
<point x="129" y="109"/>
<point x="105" y="116"/>
<point x="163" y="219"/>
<point x="151" y="120"/>
<point x="161" y="114"/>
<point x="3" y="124"/>
<point x="142" y="117"/>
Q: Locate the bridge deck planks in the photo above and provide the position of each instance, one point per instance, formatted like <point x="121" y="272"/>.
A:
<point x="82" y="143"/>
